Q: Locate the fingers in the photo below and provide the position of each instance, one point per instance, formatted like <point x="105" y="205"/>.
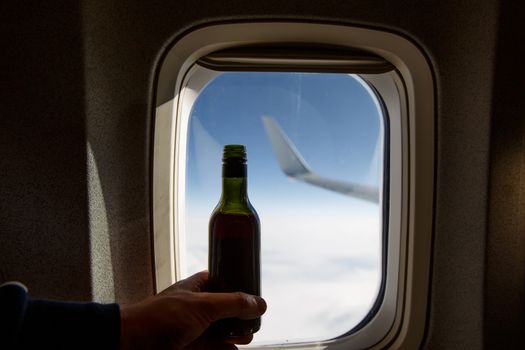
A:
<point x="247" y="339"/>
<point x="209" y="341"/>
<point x="240" y="305"/>
<point x="223" y="346"/>
<point x="204" y="345"/>
<point x="196" y="283"/>
<point x="219" y="346"/>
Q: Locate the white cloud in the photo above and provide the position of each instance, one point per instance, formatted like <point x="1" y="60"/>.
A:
<point x="320" y="268"/>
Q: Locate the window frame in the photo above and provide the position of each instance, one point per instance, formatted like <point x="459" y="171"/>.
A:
<point x="408" y="98"/>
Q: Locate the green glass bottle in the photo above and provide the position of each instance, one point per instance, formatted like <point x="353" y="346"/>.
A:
<point x="235" y="241"/>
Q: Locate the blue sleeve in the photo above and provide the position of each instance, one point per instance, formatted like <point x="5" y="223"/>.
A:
<point x="41" y="324"/>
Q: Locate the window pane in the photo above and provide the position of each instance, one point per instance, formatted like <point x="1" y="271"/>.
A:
<point x="321" y="250"/>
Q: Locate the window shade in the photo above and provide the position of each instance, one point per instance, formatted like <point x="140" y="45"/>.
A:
<point x="294" y="58"/>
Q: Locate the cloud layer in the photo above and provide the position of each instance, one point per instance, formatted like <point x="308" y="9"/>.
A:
<point x="321" y="268"/>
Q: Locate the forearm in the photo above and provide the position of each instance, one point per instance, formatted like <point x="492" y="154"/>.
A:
<point x="61" y="325"/>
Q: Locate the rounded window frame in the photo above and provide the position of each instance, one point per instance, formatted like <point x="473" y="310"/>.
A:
<point x="407" y="93"/>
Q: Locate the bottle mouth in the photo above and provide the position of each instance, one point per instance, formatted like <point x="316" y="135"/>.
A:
<point x="234" y="152"/>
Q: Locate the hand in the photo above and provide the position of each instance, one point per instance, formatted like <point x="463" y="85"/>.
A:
<point x="178" y="317"/>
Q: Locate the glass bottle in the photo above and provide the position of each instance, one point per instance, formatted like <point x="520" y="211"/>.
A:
<point x="234" y="241"/>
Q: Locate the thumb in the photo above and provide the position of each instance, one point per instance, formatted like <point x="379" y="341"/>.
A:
<point x="238" y="304"/>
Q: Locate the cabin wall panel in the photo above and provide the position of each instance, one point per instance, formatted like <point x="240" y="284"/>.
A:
<point x="505" y="272"/>
<point x="44" y="237"/>
<point x="85" y="75"/>
<point x="459" y="39"/>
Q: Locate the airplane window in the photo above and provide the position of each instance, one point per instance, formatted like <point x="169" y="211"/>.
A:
<point x="315" y="148"/>
<point x="340" y="171"/>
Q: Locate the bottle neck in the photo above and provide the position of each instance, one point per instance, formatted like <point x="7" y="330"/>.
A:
<point x="234" y="183"/>
<point x="234" y="190"/>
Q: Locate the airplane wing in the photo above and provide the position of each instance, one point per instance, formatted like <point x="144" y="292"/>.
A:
<point x="293" y="165"/>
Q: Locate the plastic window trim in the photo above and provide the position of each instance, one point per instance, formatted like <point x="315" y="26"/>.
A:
<point x="414" y="88"/>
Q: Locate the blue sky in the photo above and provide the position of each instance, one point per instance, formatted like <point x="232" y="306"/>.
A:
<point x="331" y="119"/>
<point x="312" y="239"/>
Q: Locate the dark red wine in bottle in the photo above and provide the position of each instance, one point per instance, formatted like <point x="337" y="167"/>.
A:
<point x="235" y="241"/>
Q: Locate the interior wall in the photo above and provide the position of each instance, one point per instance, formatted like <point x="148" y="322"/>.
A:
<point x="459" y="39"/>
<point x="505" y="270"/>
<point x="86" y="75"/>
<point x="44" y="237"/>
